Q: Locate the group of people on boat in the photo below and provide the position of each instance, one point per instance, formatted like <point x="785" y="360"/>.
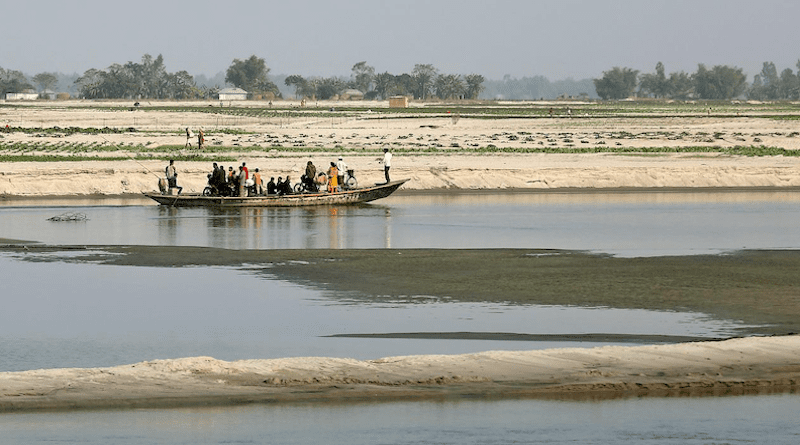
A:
<point x="332" y="180"/>
<point x="241" y="182"/>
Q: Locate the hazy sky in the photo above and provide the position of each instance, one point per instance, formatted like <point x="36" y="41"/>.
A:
<point x="557" y="38"/>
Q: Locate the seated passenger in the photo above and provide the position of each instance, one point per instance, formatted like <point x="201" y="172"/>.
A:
<point x="287" y="186"/>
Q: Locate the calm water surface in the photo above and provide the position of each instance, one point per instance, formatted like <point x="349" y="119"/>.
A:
<point x="628" y="224"/>
<point x="63" y="314"/>
<point x="720" y="420"/>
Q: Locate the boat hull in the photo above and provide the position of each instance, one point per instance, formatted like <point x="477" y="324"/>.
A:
<point x="345" y="197"/>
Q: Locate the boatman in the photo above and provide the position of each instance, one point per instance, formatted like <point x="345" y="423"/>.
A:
<point x="387" y="163"/>
<point x="341" y="167"/>
<point x="172" y="176"/>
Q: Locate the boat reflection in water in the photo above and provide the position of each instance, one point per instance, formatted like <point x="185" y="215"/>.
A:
<point x="319" y="227"/>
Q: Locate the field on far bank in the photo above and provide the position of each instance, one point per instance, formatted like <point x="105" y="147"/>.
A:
<point x="111" y="148"/>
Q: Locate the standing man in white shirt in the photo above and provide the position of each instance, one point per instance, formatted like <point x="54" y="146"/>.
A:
<point x="387" y="163"/>
<point x="342" y="168"/>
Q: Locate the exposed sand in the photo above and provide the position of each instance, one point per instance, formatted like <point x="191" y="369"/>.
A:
<point x="738" y="366"/>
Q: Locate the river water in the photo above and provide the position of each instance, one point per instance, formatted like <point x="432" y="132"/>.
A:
<point x="64" y="314"/>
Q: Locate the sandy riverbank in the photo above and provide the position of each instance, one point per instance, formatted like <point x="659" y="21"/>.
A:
<point x="427" y="172"/>
<point x="434" y="151"/>
<point x="738" y="366"/>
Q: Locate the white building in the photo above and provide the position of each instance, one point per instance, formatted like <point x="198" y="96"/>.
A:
<point x="25" y="95"/>
<point x="232" y="94"/>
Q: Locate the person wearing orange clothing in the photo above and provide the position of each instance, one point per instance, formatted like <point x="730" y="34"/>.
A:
<point x="333" y="178"/>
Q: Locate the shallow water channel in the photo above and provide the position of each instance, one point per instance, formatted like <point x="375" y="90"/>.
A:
<point x="74" y="314"/>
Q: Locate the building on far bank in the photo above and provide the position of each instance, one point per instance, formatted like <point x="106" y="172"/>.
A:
<point x="352" y="94"/>
<point x="398" y="102"/>
<point x="232" y="94"/>
<point x="24" y="95"/>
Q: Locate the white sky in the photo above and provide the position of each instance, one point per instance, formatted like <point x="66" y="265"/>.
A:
<point x="557" y="39"/>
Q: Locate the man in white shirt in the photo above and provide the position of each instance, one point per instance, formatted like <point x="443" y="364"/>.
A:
<point x="387" y="163"/>
<point x="172" y="176"/>
<point x="342" y="168"/>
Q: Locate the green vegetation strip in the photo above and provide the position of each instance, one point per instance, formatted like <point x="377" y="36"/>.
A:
<point x="31" y="152"/>
<point x="77" y="158"/>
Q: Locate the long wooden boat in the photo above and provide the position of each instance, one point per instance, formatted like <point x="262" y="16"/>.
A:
<point x="354" y="196"/>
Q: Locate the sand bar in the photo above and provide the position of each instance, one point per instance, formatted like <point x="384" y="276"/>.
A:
<point x="737" y="366"/>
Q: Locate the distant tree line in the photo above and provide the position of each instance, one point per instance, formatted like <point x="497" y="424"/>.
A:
<point x="149" y="79"/>
<point x="768" y="85"/>
<point x="538" y="87"/>
<point x="146" y="80"/>
<point x="424" y="82"/>
<point x="721" y="82"/>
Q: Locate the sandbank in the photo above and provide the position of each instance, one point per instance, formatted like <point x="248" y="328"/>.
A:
<point x="737" y="366"/>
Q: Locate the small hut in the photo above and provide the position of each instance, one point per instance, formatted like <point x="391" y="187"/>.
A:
<point x="398" y="102"/>
<point x="232" y="94"/>
<point x="352" y="94"/>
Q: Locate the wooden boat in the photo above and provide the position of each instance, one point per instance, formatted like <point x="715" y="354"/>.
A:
<point x="354" y="196"/>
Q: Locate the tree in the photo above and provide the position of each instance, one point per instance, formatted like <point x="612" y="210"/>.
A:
<point x="619" y="83"/>
<point x="789" y="86"/>
<point x="655" y="84"/>
<point x="329" y="87"/>
<point x="424" y="76"/>
<point x="46" y="81"/>
<point x="474" y="85"/>
<point x="298" y="82"/>
<point x="363" y="75"/>
<point x="680" y="85"/>
<point x="385" y="85"/>
<point x="250" y="75"/>
<point x="766" y="84"/>
<point x="180" y="85"/>
<point x="90" y="85"/>
<point x="404" y="84"/>
<point x="449" y="86"/>
<point x="719" y="83"/>
<point x="13" y="81"/>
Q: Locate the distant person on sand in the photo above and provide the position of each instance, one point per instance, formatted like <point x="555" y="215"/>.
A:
<point x="172" y="176"/>
<point x="387" y="163"/>
<point x="189" y="136"/>
<point x="201" y="140"/>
